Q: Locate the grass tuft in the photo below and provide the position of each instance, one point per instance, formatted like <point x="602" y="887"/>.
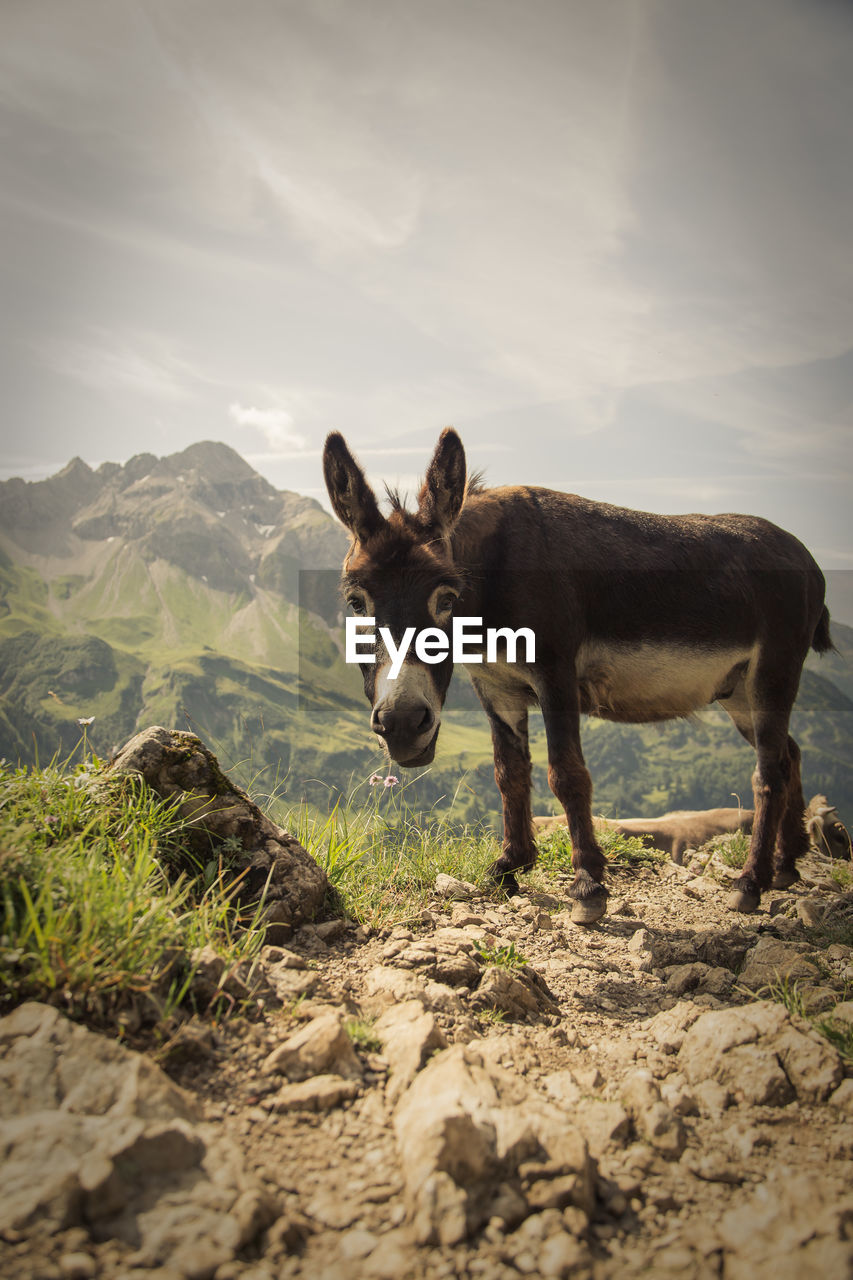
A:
<point x="732" y="848"/>
<point x="838" y="1032"/>
<point x="506" y="957"/>
<point x="623" y="853"/>
<point x="92" y="917"/>
<point x="360" y="1031"/>
<point x="382" y="858"/>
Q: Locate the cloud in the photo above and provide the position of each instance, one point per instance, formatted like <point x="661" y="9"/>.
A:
<point x="275" y="425"/>
<point x="135" y="364"/>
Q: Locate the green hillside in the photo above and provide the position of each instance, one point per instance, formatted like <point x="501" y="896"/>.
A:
<point x="168" y="591"/>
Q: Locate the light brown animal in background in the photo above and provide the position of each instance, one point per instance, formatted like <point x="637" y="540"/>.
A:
<point x="826" y="831"/>
<point x="672" y="833"/>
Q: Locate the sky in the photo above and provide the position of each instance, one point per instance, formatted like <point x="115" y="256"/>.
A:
<point x="610" y="242"/>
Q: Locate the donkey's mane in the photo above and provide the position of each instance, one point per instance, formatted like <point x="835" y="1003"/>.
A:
<point x="398" y="500"/>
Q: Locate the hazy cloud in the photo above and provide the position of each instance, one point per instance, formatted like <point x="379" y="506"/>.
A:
<point x="275" y="425"/>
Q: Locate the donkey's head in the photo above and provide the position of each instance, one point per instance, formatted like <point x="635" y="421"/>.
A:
<point x="400" y="571"/>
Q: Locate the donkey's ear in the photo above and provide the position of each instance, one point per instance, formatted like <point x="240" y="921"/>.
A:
<point x="352" y="498"/>
<point x="443" y="493"/>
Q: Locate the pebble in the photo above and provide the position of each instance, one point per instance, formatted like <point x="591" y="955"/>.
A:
<point x="77" y="1266"/>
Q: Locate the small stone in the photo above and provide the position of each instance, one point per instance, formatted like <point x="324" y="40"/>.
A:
<point x="77" y="1266"/>
<point x="712" y="1098"/>
<point x="589" y="1078"/>
<point x="320" y="1093"/>
<point x="357" y="1244"/>
<point x="320" y="1047"/>
<point x="680" y="1098"/>
<point x="713" y="1166"/>
<point x="681" y="978"/>
<point x="842" y="1098"/>
<point x="604" y="1125"/>
<point x="562" y="1087"/>
<point x="447" y="886"/>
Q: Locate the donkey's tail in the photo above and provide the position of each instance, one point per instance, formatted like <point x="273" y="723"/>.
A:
<point x="822" y="640"/>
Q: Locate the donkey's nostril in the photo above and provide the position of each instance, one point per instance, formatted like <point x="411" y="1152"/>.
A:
<point x="427" y="720"/>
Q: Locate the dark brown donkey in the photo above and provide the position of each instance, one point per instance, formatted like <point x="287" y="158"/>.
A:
<point x="637" y="618"/>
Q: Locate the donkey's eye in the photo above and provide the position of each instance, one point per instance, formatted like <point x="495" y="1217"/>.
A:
<point x="357" y="604"/>
<point x="441" y="603"/>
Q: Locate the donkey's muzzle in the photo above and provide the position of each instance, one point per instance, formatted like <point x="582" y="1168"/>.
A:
<point x="408" y="729"/>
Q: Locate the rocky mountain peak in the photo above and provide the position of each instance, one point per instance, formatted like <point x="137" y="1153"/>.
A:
<point x="217" y="462"/>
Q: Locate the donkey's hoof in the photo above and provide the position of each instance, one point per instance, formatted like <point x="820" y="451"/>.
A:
<point x="784" y="879"/>
<point x="504" y="880"/>
<point x="745" y="900"/>
<point x="589" y="910"/>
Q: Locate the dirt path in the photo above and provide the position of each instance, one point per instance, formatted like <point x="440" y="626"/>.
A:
<point x="618" y="1104"/>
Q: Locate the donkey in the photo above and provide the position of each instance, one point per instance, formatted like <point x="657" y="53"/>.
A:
<point x="637" y="618"/>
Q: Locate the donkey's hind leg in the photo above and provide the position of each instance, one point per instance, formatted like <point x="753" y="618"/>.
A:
<point x="760" y="706"/>
<point x="792" y="840"/>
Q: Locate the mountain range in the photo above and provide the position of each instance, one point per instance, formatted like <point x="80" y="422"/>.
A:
<point x="190" y="592"/>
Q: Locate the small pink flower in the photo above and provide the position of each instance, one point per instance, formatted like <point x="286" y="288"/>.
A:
<point x="391" y="781"/>
<point x="375" y="779"/>
<point x="85" y="720"/>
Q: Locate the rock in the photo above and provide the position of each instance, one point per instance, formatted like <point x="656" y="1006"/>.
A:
<point x="842" y="1015"/>
<point x="270" y="862"/>
<point x="605" y="1125"/>
<point x="679" y="1097"/>
<point x="681" y="978"/>
<point x="458" y="890"/>
<point x="320" y="1093"/>
<point x="562" y="1087"/>
<point x="723" y="950"/>
<point x="320" y="1047"/>
<point x="640" y="940"/>
<point x="391" y="1258"/>
<point x="520" y="993"/>
<point x="772" y="961"/>
<point x="654" y="1120"/>
<point x="668" y="1028"/>
<point x="714" y="1166"/>
<point x="94" y="1133"/>
<point x="446" y="960"/>
<point x="409" y="1034"/>
<point x="712" y="1098"/>
<point x="843" y="1096"/>
<point x="561" y="1256"/>
<point x="77" y="1266"/>
<point x="386" y="986"/>
<point x="787" y="1228"/>
<point x="242" y="982"/>
<point x="465" y="1125"/>
<point x="761" y="1054"/>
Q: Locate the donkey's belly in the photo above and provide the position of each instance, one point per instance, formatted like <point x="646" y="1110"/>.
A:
<point x="645" y="682"/>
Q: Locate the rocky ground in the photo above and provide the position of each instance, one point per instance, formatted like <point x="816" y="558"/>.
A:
<point x="489" y="1091"/>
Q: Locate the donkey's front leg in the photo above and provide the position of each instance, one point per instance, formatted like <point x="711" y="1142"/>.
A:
<point x="568" y="778"/>
<point x="512" y="774"/>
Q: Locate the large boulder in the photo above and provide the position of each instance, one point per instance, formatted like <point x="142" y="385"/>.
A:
<point x="476" y="1142"/>
<point x="761" y="1054"/>
<point x="94" y="1135"/>
<point x="263" y="858"/>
